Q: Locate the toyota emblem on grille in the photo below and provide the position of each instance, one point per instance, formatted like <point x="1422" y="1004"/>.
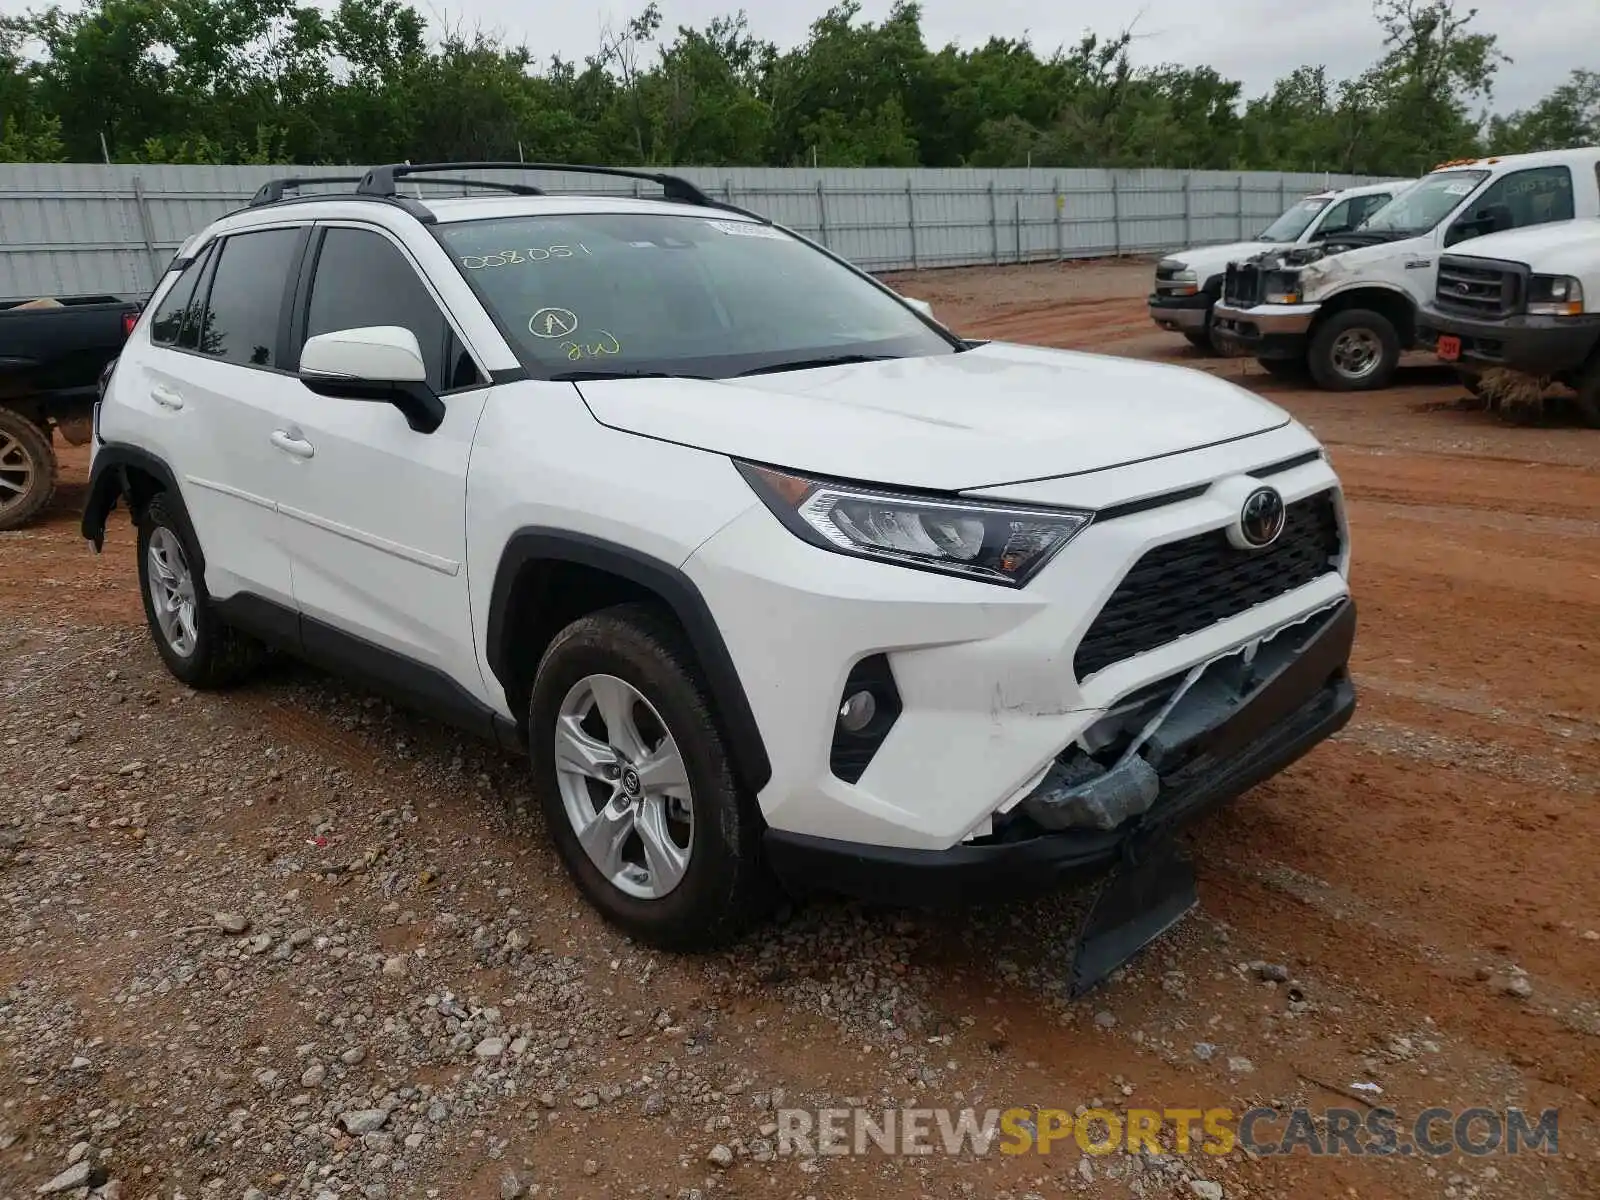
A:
<point x="1261" y="517"/>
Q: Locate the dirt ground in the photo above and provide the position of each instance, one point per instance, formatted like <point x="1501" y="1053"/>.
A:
<point x="419" y="1003"/>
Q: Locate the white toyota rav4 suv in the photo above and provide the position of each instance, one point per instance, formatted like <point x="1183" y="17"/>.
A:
<point x="778" y="582"/>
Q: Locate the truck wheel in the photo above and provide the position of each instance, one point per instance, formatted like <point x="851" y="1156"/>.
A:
<point x="1291" y="369"/>
<point x="1201" y="340"/>
<point x="198" y="647"/>
<point x="1586" y="400"/>
<point x="637" y="787"/>
<point x="27" y="469"/>
<point x="1354" y="351"/>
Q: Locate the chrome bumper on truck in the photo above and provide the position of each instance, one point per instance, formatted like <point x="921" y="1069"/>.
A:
<point x="1264" y="330"/>
<point x="1180" y="314"/>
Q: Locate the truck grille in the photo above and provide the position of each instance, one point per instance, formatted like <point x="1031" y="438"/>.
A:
<point x="1190" y="585"/>
<point x="1478" y="288"/>
<point x="1241" y="286"/>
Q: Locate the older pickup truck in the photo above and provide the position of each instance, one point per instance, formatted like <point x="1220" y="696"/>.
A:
<point x="53" y="354"/>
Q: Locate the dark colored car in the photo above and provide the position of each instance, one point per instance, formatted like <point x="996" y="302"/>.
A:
<point x="54" y="354"/>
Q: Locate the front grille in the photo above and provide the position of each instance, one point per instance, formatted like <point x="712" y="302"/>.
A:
<point x="1476" y="288"/>
<point x="1241" y="286"/>
<point x="1190" y="585"/>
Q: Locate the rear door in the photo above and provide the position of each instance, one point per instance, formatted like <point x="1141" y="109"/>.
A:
<point x="375" y="514"/>
<point x="226" y="379"/>
<point x="202" y="392"/>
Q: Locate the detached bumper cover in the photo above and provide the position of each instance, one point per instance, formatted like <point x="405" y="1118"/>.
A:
<point x="1537" y="345"/>
<point x="1204" y="756"/>
<point x="1266" y="330"/>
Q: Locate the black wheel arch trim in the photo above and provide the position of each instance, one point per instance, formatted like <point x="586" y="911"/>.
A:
<point x="109" y="482"/>
<point x="675" y="589"/>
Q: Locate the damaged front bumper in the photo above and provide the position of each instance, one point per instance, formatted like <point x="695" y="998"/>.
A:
<point x="1200" y="740"/>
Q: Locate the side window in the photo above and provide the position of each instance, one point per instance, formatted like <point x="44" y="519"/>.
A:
<point x="1363" y="207"/>
<point x="1532" y="197"/>
<point x="362" y="279"/>
<point x="246" y="297"/>
<point x="168" y="319"/>
<point x="1337" y="219"/>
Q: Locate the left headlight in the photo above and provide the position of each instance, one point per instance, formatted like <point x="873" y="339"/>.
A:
<point x="996" y="543"/>
<point x="1282" y="287"/>
<point x="1554" y="296"/>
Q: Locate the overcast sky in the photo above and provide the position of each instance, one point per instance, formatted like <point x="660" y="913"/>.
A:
<point x="1256" y="41"/>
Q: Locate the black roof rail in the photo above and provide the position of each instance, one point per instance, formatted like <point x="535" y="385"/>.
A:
<point x="382" y="181"/>
<point x="272" y="191"/>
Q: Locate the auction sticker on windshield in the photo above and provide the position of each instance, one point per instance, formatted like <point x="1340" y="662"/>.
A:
<point x="747" y="229"/>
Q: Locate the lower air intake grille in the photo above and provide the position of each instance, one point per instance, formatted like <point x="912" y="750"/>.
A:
<point x="1184" y="587"/>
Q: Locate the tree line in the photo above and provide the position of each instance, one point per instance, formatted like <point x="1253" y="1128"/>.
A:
<point x="277" y="81"/>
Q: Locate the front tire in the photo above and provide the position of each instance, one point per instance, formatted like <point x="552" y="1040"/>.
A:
<point x="1586" y="398"/>
<point x="1290" y="370"/>
<point x="198" y="647"/>
<point x="1356" y="350"/>
<point x="637" y="787"/>
<point x="27" y="469"/>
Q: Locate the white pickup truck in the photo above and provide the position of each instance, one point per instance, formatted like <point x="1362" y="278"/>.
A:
<point x="1347" y="309"/>
<point x="1189" y="282"/>
<point x="1526" y="302"/>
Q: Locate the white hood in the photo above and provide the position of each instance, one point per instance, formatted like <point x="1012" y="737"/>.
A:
<point x="1206" y="261"/>
<point x="995" y="414"/>
<point x="1555" y="248"/>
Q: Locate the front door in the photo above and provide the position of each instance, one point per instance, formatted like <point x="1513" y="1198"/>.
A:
<point x="374" y="512"/>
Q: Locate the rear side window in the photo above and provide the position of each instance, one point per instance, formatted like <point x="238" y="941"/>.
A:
<point x="362" y="279"/>
<point x="167" y="322"/>
<point x="246" y="297"/>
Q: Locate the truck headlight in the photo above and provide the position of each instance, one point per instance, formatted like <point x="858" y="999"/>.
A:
<point x="1554" y="296"/>
<point x="1179" y="279"/>
<point x="1282" y="287"/>
<point x="1006" y="544"/>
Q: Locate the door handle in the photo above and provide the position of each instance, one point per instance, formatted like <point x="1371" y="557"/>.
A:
<point x="290" y="443"/>
<point x="166" y="397"/>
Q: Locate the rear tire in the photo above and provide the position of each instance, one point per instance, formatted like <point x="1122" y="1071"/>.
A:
<point x="27" y="469"/>
<point x="198" y="647"/>
<point x="1356" y="350"/>
<point x="677" y="865"/>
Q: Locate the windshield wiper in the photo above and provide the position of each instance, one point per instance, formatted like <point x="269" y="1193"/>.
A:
<point x="807" y="364"/>
<point x="590" y="376"/>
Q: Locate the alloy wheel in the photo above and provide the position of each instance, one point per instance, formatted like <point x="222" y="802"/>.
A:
<point x="624" y="786"/>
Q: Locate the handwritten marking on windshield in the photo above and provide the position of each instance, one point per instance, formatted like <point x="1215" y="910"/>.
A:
<point x="514" y="258"/>
<point x="581" y="350"/>
<point x="553" y="323"/>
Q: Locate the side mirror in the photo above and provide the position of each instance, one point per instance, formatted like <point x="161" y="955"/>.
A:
<point x="922" y="306"/>
<point x="381" y="362"/>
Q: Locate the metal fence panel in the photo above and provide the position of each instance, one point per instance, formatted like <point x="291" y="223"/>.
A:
<point x="83" y="228"/>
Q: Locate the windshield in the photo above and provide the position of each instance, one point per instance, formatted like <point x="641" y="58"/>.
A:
<point x="1293" y="223"/>
<point x="1423" y="205"/>
<point x="633" y="294"/>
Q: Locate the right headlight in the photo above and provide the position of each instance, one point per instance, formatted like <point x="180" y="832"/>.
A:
<point x="1554" y="296"/>
<point x="1005" y="544"/>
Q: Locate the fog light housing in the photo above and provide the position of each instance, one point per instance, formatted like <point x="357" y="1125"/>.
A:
<point x="868" y="707"/>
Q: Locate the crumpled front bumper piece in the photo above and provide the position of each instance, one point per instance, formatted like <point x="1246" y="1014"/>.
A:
<point x="1223" y="728"/>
